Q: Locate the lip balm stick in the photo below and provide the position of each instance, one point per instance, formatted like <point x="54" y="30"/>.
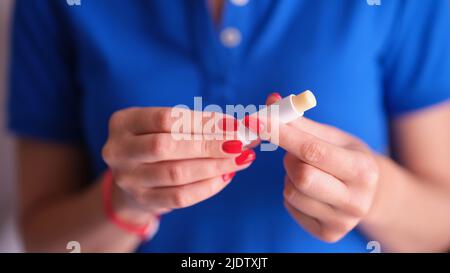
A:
<point x="294" y="106"/>
<point x="289" y="108"/>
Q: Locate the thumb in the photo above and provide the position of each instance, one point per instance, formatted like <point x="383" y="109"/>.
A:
<point x="272" y="98"/>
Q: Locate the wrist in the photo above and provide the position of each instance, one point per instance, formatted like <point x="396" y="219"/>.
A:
<point x="124" y="213"/>
<point x="128" y="210"/>
<point x="388" y="196"/>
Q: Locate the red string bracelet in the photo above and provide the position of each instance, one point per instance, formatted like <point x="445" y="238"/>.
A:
<point x="140" y="230"/>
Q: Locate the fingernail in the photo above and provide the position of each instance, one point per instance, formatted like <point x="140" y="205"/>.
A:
<point x="227" y="177"/>
<point x="276" y="95"/>
<point x="228" y="124"/>
<point x="253" y="124"/>
<point x="232" y="147"/>
<point x="246" y="157"/>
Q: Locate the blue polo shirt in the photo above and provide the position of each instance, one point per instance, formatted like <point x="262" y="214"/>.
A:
<point x="72" y="66"/>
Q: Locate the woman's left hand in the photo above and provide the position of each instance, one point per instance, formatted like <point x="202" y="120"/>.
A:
<point x="331" y="177"/>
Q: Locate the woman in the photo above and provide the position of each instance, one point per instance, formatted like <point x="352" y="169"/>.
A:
<point x="92" y="86"/>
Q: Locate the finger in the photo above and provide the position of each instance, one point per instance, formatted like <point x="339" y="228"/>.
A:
<point x="312" y="207"/>
<point x="168" y="120"/>
<point x="255" y="143"/>
<point x="183" y="196"/>
<point x="316" y="183"/>
<point x="334" y="223"/>
<point x="348" y="165"/>
<point x="175" y="173"/>
<point x="308" y="223"/>
<point x="272" y="98"/>
<point x="161" y="147"/>
<point x="345" y="164"/>
<point x="249" y="120"/>
<point x="325" y="132"/>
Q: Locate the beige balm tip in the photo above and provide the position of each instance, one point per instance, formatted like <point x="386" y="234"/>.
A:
<point x="304" y="101"/>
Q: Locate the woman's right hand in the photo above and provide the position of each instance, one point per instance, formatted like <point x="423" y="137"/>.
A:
<point x="157" y="171"/>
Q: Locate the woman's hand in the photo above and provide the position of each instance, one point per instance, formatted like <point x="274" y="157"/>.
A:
<point x="158" y="170"/>
<point x="331" y="177"/>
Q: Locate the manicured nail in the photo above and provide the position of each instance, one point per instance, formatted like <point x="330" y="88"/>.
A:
<point x="227" y="177"/>
<point x="246" y="157"/>
<point x="228" y="124"/>
<point x="232" y="147"/>
<point x="276" y="95"/>
<point x="254" y="124"/>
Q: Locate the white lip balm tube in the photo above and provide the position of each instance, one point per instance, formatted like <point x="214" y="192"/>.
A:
<point x="289" y="109"/>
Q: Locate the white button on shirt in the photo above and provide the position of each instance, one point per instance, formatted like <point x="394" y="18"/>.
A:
<point x="230" y="37"/>
<point x="240" y="2"/>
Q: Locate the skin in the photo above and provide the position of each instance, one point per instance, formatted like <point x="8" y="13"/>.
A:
<point x="159" y="172"/>
<point x="390" y="202"/>
<point x="333" y="182"/>
<point x="216" y="7"/>
<point x="153" y="174"/>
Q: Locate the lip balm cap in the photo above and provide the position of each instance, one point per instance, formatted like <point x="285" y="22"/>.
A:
<point x="304" y="101"/>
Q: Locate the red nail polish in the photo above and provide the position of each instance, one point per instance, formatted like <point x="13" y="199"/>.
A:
<point x="227" y="177"/>
<point x="253" y="124"/>
<point x="228" y="124"/>
<point x="232" y="147"/>
<point x="277" y="95"/>
<point x="246" y="157"/>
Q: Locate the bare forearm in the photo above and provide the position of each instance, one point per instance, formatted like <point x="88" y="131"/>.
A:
<point x="78" y="217"/>
<point x="409" y="214"/>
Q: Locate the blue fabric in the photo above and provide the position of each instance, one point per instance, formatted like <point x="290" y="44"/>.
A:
<point x="73" y="66"/>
